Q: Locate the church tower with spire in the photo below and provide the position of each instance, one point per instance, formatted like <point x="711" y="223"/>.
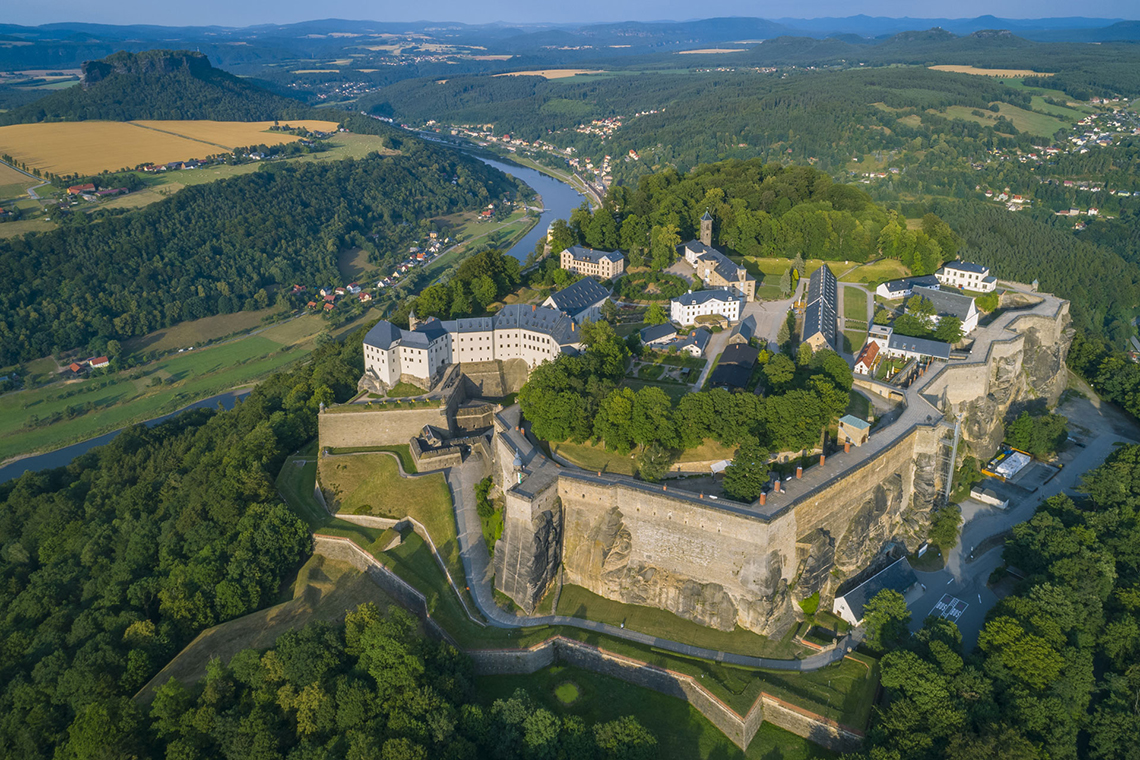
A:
<point x="706" y="229"/>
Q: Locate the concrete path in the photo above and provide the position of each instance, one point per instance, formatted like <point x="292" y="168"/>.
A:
<point x="480" y="579"/>
<point x="716" y="346"/>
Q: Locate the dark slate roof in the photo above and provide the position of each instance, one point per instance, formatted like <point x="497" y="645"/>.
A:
<point x="470" y="324"/>
<point x="823" y="285"/>
<point x="657" y="332"/>
<point x="580" y="296"/>
<point x="706" y="217"/>
<point x="699" y="338"/>
<point x="746" y="329"/>
<point x="727" y="269"/>
<point x="583" y="253"/>
<point x="924" y="346"/>
<point x="897" y="577"/>
<point x="735" y="366"/>
<point x="433" y="329"/>
<point x="947" y="304"/>
<point x="908" y="283"/>
<point x="704" y="296"/>
<point x="820" y="313"/>
<point x="539" y="319"/>
<point x="382" y="335"/>
<point x="966" y="266"/>
<point x="699" y="247"/>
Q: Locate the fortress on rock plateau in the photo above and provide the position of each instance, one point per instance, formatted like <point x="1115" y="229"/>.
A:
<point x="725" y="564"/>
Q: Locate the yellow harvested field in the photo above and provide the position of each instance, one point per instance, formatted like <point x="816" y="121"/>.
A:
<point x="551" y="73"/>
<point x="703" y="51"/>
<point x="1002" y="73"/>
<point x="89" y="147"/>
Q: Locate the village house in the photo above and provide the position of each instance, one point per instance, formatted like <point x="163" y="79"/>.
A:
<point x="657" y="335"/>
<point x="895" y="289"/>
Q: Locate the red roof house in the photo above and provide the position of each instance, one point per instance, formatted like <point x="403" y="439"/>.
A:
<point x="84" y="188"/>
<point x="867" y="358"/>
<point x="99" y="362"/>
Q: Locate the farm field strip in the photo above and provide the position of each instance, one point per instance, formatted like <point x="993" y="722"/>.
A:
<point x="89" y="147"/>
<point x="1000" y="73"/>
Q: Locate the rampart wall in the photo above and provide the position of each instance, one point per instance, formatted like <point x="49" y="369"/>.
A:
<point x="377" y="426"/>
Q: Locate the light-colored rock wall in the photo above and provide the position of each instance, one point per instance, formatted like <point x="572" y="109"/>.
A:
<point x="706" y="564"/>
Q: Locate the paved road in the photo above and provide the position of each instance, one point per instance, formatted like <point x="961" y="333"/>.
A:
<point x="965" y="576"/>
<point x="480" y="577"/>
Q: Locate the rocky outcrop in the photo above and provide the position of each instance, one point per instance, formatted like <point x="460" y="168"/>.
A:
<point x="528" y="554"/>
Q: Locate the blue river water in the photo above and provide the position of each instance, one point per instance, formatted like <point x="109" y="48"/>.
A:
<point x="558" y="198"/>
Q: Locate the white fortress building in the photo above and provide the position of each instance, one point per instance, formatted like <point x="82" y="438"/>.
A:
<point x="519" y="331"/>
<point x="963" y="274"/>
<point x="685" y="309"/>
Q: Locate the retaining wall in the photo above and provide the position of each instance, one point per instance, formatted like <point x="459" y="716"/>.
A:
<point x="740" y="729"/>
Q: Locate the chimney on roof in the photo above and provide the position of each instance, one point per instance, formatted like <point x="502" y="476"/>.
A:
<point x="822" y="459"/>
<point x="799" y="472"/>
<point x="534" y="307"/>
<point x="763" y="498"/>
<point x="847" y="447"/>
<point x="776" y="485"/>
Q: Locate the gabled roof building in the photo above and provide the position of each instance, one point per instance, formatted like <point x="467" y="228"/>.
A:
<point x="587" y="261"/>
<point x="821" y="311"/>
<point x="581" y="301"/>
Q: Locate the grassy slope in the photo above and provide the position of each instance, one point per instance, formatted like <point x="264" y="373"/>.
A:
<point x="323" y="590"/>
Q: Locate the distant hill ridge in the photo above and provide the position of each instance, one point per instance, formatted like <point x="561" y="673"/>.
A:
<point x="157" y="84"/>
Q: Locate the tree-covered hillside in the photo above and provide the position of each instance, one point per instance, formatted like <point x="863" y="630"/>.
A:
<point x="1055" y="674"/>
<point x="157" y="84"/>
<point x="111" y="565"/>
<point x="221" y="247"/>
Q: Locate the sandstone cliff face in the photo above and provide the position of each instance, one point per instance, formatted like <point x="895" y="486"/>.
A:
<point x="528" y="554"/>
<point x="604" y="563"/>
<point x="1029" y="366"/>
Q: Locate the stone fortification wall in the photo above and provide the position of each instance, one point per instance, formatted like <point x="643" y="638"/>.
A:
<point x="722" y="566"/>
<point x="377" y="427"/>
<point x="430" y="460"/>
<point x="527" y="556"/>
<point x="493" y="379"/>
<point x="719" y="568"/>
<point x="740" y="729"/>
<point x="1024" y="361"/>
<point x="888" y="500"/>
<point x="474" y="417"/>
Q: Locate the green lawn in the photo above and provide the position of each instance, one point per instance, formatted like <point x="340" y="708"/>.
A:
<point x="875" y="272"/>
<point x="128" y="397"/>
<point x="855" y="304"/>
<point x="853" y="340"/>
<point x="403" y="390"/>
<point x="576" y="601"/>
<point x="370" y="484"/>
<point x="595" y="457"/>
<point x="681" y="731"/>
<point x="402" y="450"/>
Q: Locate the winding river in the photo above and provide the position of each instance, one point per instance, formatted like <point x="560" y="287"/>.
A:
<point x="559" y="199"/>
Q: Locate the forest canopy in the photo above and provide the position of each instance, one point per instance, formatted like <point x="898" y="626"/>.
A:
<point x="225" y="246"/>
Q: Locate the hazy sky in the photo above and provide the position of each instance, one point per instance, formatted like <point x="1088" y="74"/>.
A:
<point x="246" y="12"/>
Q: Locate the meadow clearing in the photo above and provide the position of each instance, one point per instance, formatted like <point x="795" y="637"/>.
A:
<point x="89" y="147"/>
<point x="13" y="184"/>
